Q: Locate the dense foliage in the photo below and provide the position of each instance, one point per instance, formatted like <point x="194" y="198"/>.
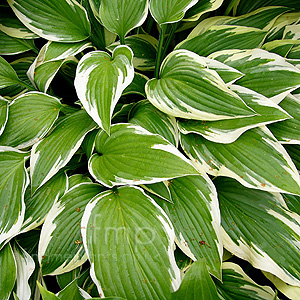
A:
<point x="150" y="149"/>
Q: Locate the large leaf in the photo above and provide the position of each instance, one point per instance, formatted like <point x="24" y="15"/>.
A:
<point x="236" y="285"/>
<point x="196" y="218"/>
<point x="227" y="131"/>
<point x="222" y="37"/>
<point x="63" y="21"/>
<point x="133" y="155"/>
<point x="100" y="81"/>
<point x="31" y="116"/>
<point x="261" y="68"/>
<point x="256" y="160"/>
<point x="60" y="246"/>
<point x="259" y="229"/>
<point x="3" y="113"/>
<point x="197" y="284"/>
<point x="13" y="183"/>
<point x="129" y="241"/>
<point x="188" y="89"/>
<point x="122" y="16"/>
<point x="54" y="152"/>
<point x="39" y="204"/>
<point x="169" y="11"/>
<point x="9" y="272"/>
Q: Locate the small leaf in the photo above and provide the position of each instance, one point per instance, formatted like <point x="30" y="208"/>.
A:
<point x="46" y="295"/>
<point x="137" y="86"/>
<point x="126" y="230"/>
<point x="133" y="155"/>
<point x="100" y="81"/>
<point x="8" y="75"/>
<point x="159" y="189"/>
<point x="71" y="22"/>
<point x="188" y="89"/>
<point x="3" y="114"/>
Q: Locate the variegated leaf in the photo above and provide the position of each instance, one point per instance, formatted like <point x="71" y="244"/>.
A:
<point x="137" y="86"/>
<point x="133" y="155"/>
<point x="126" y="230"/>
<point x="60" y="245"/>
<point x="227" y="131"/>
<point x="77" y="179"/>
<point x="69" y="17"/>
<point x="256" y="160"/>
<point x="100" y="81"/>
<point x="159" y="189"/>
<point x="13" y="183"/>
<point x="257" y="228"/>
<point x="188" y="89"/>
<point x="8" y="75"/>
<point x="3" y="114"/>
<point x="54" y="152"/>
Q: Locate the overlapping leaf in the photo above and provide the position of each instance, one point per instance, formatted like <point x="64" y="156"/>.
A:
<point x="256" y="160"/>
<point x="133" y="155"/>
<point x="8" y="75"/>
<point x="188" y="89"/>
<point x="64" y="20"/>
<point x="129" y="238"/>
<point x="100" y="81"/>
<point x="257" y="228"/>
<point x="54" y="152"/>
<point x="3" y="113"/>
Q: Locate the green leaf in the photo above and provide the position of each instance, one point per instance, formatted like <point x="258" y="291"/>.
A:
<point x="13" y="183"/>
<point x="159" y="189"/>
<point x="236" y="285"/>
<point x="73" y="291"/>
<point x="256" y="160"/>
<point x="25" y="267"/>
<point x="55" y="151"/>
<point x="259" y="229"/>
<point x="169" y="11"/>
<point x="294" y="153"/>
<point x="60" y="247"/>
<point x="46" y="295"/>
<point x="149" y="117"/>
<point x="261" y="68"/>
<point x="196" y="218"/>
<point x="288" y="130"/>
<point x="39" y="204"/>
<point x="30" y="118"/>
<point x="188" y="89"/>
<point x="9" y="272"/>
<point x="8" y="75"/>
<point x="197" y="284"/>
<point x="100" y="81"/>
<point x="133" y="155"/>
<point x="88" y="144"/>
<point x="71" y="22"/>
<point x="3" y="114"/>
<point x="137" y="86"/>
<point x="77" y="179"/>
<point x="292" y="202"/>
<point x="280" y="47"/>
<point x="122" y="16"/>
<point x="227" y="131"/>
<point x="223" y="37"/>
<point x="129" y="238"/>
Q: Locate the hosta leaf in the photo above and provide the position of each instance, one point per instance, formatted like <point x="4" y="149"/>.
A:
<point x="54" y="152"/>
<point x="3" y="113"/>
<point x="260" y="68"/>
<point x="288" y="131"/>
<point x="224" y="37"/>
<point x="256" y="160"/>
<point x="129" y="238"/>
<point x="31" y="116"/>
<point x="187" y="89"/>
<point x="159" y="189"/>
<point x="8" y="75"/>
<point x="25" y="267"/>
<point x="196" y="219"/>
<point x="88" y="144"/>
<point x="197" y="284"/>
<point x="200" y="8"/>
<point x="13" y="183"/>
<point x="100" y="81"/>
<point x="77" y="179"/>
<point x="46" y="295"/>
<point x="227" y="131"/>
<point x="9" y="272"/>
<point x="60" y="246"/>
<point x="74" y="292"/>
<point x="39" y="204"/>
<point x="236" y="285"/>
<point x="137" y="86"/>
<point x="294" y="153"/>
<point x="122" y="16"/>
<point x="10" y="45"/>
<point x="258" y="229"/>
<point x="133" y="155"/>
<point x="292" y="202"/>
<point x="169" y="11"/>
<point x="11" y="25"/>
<point x="280" y="47"/>
<point x="63" y="21"/>
<point x="149" y="117"/>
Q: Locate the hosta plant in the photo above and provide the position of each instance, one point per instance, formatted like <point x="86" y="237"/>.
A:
<point x="150" y="149"/>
